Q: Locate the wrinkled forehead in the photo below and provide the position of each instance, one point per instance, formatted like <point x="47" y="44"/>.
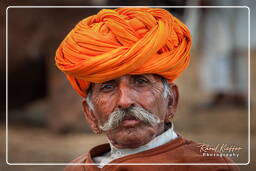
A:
<point x="152" y="77"/>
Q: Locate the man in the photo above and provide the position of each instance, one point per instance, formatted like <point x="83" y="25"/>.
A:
<point x="123" y="62"/>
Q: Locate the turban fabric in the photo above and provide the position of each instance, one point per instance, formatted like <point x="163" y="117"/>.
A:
<point x="124" y="41"/>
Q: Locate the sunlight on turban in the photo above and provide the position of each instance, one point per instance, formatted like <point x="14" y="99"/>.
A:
<point x="124" y="41"/>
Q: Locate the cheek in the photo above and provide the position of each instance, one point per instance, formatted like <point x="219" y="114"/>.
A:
<point x="103" y="107"/>
<point x="153" y="101"/>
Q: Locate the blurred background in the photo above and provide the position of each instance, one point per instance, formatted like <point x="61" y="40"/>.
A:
<point x="45" y="117"/>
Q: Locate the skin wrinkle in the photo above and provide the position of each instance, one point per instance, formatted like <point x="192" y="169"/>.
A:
<point x="157" y="90"/>
<point x="143" y="96"/>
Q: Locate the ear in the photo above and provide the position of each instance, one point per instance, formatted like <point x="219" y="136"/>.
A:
<point x="172" y="102"/>
<point x="90" y="118"/>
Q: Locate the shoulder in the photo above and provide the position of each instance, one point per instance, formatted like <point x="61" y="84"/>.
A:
<point x="77" y="164"/>
<point x="80" y="159"/>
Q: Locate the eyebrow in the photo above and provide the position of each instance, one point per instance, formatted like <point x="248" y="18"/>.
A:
<point x="106" y="82"/>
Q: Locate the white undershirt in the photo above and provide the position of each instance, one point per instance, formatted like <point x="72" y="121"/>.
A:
<point x="115" y="153"/>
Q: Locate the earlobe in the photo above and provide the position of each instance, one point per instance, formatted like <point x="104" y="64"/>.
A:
<point x="90" y="118"/>
<point x="173" y="102"/>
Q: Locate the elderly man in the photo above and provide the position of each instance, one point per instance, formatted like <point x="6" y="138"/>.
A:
<point x="123" y="62"/>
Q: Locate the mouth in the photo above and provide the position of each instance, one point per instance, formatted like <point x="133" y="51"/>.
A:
<point x="129" y="121"/>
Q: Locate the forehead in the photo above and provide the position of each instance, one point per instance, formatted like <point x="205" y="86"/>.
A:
<point x="152" y="77"/>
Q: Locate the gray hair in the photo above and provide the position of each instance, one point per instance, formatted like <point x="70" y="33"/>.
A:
<point x="166" y="93"/>
<point x="116" y="117"/>
<point x="167" y="90"/>
<point x="88" y="99"/>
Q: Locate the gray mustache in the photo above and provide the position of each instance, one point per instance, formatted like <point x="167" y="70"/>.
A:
<point x="117" y="116"/>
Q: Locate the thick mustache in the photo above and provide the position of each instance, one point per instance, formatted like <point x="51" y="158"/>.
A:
<point x="139" y="113"/>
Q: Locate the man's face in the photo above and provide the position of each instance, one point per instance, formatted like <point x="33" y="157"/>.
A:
<point x="127" y="94"/>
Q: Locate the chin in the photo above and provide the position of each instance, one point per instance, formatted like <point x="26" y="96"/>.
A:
<point x="131" y="137"/>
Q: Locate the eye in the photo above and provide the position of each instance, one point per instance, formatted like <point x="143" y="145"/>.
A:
<point x="106" y="87"/>
<point x="141" y="81"/>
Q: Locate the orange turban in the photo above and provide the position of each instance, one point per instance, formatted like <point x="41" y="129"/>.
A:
<point x="124" y="41"/>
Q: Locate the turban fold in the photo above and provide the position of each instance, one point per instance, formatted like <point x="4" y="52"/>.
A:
<point x="124" y="41"/>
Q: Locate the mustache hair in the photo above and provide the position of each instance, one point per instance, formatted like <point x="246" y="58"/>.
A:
<point x="139" y="113"/>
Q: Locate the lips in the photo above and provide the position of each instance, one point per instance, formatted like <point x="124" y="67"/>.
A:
<point x="130" y="121"/>
<point x="129" y="117"/>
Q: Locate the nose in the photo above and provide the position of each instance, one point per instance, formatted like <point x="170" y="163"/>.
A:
<point x="126" y="98"/>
